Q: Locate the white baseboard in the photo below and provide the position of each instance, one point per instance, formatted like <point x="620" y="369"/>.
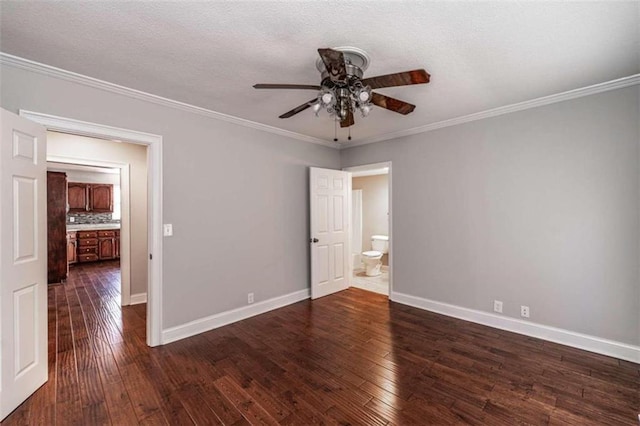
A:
<point x="553" y="334"/>
<point x="218" y="320"/>
<point x="138" y="298"/>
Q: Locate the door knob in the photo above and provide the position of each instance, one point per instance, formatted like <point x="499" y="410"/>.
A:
<point x="314" y="240"/>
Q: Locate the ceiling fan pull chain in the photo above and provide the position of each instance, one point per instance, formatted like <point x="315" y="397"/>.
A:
<point x="335" y="131"/>
<point x="349" y="138"/>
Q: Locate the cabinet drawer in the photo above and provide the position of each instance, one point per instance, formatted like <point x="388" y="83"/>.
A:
<point x="87" y="257"/>
<point x="88" y="250"/>
<point x="106" y="234"/>
<point x="82" y="242"/>
<point x="87" y="234"/>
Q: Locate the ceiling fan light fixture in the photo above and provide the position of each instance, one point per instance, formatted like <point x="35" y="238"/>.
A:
<point x="364" y="96"/>
<point x="327" y="98"/>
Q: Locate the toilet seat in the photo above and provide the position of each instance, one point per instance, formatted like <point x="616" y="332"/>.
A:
<point x="372" y="253"/>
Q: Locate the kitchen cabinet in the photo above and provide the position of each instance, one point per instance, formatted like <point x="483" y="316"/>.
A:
<point x="56" y="227"/>
<point x="101" y="198"/>
<point x="106" y="245"/>
<point x="90" y="197"/>
<point x="117" y="245"/>
<point x="78" y="197"/>
<point x="88" y="246"/>
<point x="101" y="244"/>
<point x="72" y="247"/>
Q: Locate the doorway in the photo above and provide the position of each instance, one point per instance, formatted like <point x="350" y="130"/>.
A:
<point x="370" y="260"/>
<point x="152" y="254"/>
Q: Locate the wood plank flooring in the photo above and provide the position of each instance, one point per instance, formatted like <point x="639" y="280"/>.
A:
<point x="349" y="358"/>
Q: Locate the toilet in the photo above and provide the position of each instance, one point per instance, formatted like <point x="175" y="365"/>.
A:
<point x="373" y="259"/>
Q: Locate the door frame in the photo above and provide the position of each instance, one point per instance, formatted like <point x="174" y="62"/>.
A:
<point x="154" y="181"/>
<point x="125" y="223"/>
<point x="374" y="166"/>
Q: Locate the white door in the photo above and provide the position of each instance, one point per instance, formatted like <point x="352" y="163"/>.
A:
<point x="23" y="260"/>
<point x="330" y="198"/>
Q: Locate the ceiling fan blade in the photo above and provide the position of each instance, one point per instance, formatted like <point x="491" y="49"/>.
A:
<point x="391" y="104"/>
<point x="334" y="63"/>
<point x="299" y="108"/>
<point x="287" y="86"/>
<point x="348" y="120"/>
<point x="399" y="79"/>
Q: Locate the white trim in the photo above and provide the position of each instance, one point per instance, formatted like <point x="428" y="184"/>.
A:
<point x="18" y="62"/>
<point x="48" y="70"/>
<point x="154" y="182"/>
<point x="218" y="320"/>
<point x="507" y="109"/>
<point x="565" y="337"/>
<point x="138" y="298"/>
<point x="125" y="221"/>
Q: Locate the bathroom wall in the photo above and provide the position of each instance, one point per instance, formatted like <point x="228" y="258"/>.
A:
<point x="375" y="208"/>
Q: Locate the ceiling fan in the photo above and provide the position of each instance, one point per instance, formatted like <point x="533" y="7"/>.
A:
<point x="343" y="90"/>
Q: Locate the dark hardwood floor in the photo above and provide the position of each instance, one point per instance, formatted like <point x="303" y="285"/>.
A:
<point x="349" y="358"/>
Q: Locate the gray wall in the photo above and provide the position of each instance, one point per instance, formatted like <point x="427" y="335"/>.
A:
<point x="539" y="207"/>
<point x="237" y="197"/>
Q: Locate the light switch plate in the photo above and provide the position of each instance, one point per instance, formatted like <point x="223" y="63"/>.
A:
<point x="168" y="230"/>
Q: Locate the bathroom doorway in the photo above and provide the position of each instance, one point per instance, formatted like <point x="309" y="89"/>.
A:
<point x="370" y="261"/>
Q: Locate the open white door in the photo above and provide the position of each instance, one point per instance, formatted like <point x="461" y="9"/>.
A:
<point x="23" y="260"/>
<point x="330" y="198"/>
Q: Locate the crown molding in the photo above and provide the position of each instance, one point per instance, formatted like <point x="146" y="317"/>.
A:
<point x="507" y="109"/>
<point x="26" y="64"/>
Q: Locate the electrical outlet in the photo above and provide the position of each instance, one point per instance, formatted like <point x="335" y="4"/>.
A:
<point x="167" y="229"/>
<point x="72" y="219"/>
<point x="497" y="306"/>
<point x="250" y="298"/>
<point x="524" y="311"/>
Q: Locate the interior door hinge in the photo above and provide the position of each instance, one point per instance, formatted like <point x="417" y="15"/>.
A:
<point x="150" y="256"/>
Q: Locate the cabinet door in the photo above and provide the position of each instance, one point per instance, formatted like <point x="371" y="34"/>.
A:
<point x="116" y="245"/>
<point x="78" y="197"/>
<point x="101" y="198"/>
<point x="72" y="250"/>
<point x="106" y="248"/>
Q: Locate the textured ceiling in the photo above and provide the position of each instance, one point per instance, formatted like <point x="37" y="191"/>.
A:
<point x="481" y="55"/>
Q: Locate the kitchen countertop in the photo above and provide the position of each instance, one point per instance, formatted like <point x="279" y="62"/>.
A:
<point x="91" y="226"/>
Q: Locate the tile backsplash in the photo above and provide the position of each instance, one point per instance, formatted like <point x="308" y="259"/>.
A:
<point x="83" y="218"/>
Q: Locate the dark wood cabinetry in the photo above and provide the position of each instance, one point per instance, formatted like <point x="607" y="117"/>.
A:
<point x="87" y="246"/>
<point x="98" y="245"/>
<point x="117" y="245"/>
<point x="106" y="245"/>
<point x="101" y="198"/>
<point x="72" y="247"/>
<point x="90" y="197"/>
<point x="56" y="227"/>
<point x="78" y="197"/>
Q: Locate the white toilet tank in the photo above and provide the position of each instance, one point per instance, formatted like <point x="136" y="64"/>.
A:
<point x="380" y="243"/>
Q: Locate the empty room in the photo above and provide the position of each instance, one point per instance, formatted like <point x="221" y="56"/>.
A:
<point x="336" y="212"/>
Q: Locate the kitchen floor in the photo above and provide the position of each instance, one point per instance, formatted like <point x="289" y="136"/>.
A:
<point x="379" y="284"/>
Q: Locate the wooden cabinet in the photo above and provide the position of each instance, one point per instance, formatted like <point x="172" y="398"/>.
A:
<point x="78" y="197"/>
<point x="87" y="246"/>
<point x="106" y="245"/>
<point x="101" y="198"/>
<point x="116" y="249"/>
<point x="98" y="245"/>
<point x="72" y="247"/>
<point x="56" y="227"/>
<point x="90" y="197"/>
